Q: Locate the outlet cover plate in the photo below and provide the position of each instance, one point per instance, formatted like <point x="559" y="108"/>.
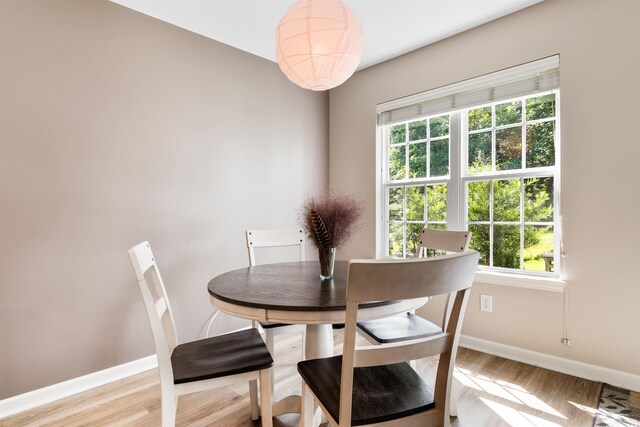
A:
<point x="486" y="303"/>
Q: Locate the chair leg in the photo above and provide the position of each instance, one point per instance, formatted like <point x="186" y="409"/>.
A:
<point x="169" y="407"/>
<point x="453" y="406"/>
<point x="269" y="341"/>
<point x="307" y="412"/>
<point x="265" y="397"/>
<point x="269" y="336"/>
<point x="253" y="400"/>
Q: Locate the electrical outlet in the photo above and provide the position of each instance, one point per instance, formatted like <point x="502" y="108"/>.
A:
<point x="486" y="303"/>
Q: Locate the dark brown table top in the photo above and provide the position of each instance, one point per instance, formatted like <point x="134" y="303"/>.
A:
<point x="291" y="286"/>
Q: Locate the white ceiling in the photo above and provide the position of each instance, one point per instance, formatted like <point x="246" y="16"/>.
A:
<point x="391" y="27"/>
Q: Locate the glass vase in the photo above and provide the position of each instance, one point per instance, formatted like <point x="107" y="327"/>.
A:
<point x="327" y="257"/>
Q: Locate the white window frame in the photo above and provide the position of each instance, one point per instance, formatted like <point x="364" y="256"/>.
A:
<point x="456" y="192"/>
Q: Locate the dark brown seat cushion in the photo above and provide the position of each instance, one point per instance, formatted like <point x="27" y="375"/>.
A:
<point x="380" y="393"/>
<point x="219" y="356"/>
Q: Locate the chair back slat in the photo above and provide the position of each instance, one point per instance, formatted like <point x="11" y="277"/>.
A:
<point x="375" y="280"/>
<point x="155" y="299"/>
<point x="445" y="240"/>
<point x="161" y="307"/>
<point x="141" y="259"/>
<point x="274" y="238"/>
<point x="387" y="354"/>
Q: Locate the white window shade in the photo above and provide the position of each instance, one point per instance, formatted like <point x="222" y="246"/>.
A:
<point x="538" y="76"/>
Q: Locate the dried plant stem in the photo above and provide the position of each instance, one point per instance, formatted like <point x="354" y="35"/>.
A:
<point x="329" y="220"/>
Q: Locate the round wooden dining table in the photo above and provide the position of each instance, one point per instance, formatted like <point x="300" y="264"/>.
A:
<point x="293" y="293"/>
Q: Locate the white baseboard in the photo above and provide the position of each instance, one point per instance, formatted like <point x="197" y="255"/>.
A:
<point x="42" y="396"/>
<point x="554" y="363"/>
<point x="45" y="395"/>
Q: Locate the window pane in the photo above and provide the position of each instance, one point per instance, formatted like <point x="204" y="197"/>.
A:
<point x="478" y="200"/>
<point x="418" y="130"/>
<point x="395" y="204"/>
<point x="418" y="160"/>
<point x="506" y="246"/>
<point x="397" y="163"/>
<point x="439" y="126"/>
<point x="439" y="158"/>
<point x="508" y="113"/>
<point x="437" y="202"/>
<point x="480" y="152"/>
<point x="432" y="253"/>
<point x="509" y="148"/>
<point x="541" y="107"/>
<point x="540" y="144"/>
<point x="397" y="134"/>
<point x="480" y="118"/>
<point x="415" y="203"/>
<point x="395" y="240"/>
<point x="538" y="248"/>
<point x="480" y="241"/>
<point x="414" y="231"/>
<point x="538" y="199"/>
<point x="506" y="200"/>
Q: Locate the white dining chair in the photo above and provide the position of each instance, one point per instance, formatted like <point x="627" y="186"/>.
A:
<point x="203" y="364"/>
<point x="291" y="237"/>
<point x="373" y="385"/>
<point x="275" y="238"/>
<point x="409" y="325"/>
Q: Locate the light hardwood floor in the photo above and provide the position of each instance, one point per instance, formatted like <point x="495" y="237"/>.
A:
<point x="491" y="392"/>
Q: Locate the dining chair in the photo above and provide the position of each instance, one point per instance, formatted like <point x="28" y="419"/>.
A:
<point x="275" y="238"/>
<point x="373" y="385"/>
<point x="272" y="239"/>
<point x="198" y="365"/>
<point x="409" y="325"/>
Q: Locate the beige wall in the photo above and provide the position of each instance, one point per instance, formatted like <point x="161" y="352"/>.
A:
<point x="600" y="87"/>
<point x="117" y="128"/>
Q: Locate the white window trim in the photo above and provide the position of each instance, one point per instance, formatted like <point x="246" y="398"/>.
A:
<point x="549" y="284"/>
<point x="500" y="85"/>
<point x="456" y="181"/>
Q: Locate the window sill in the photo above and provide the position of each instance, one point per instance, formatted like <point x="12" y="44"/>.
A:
<point x="548" y="284"/>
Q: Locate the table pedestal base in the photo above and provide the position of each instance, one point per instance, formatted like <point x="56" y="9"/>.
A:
<point x="289" y="405"/>
<point x="318" y="342"/>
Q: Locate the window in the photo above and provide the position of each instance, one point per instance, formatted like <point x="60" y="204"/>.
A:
<point x="489" y="167"/>
<point x="418" y="172"/>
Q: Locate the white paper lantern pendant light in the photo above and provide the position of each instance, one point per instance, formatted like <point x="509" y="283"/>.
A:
<point x="319" y="43"/>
